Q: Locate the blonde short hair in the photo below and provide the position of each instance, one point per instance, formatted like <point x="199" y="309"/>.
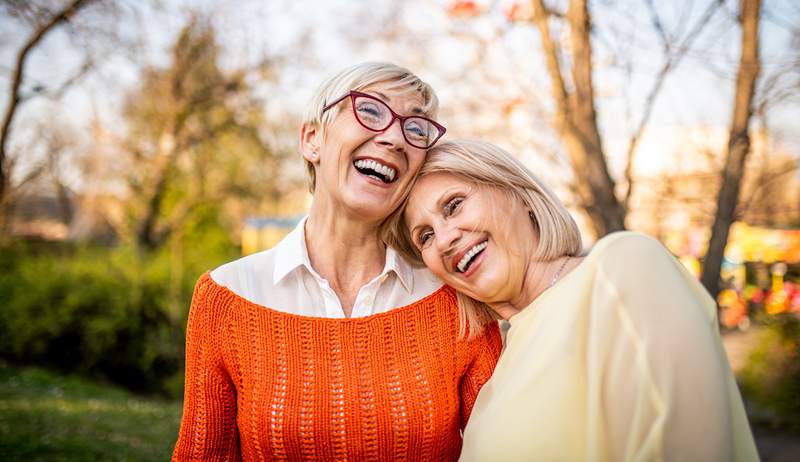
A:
<point x="486" y="165"/>
<point x="356" y="78"/>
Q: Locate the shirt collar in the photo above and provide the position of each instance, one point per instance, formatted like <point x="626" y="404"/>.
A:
<point x="292" y="253"/>
<point x="403" y="270"/>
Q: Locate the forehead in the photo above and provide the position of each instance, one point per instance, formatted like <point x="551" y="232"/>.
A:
<point x="429" y="191"/>
<point x="405" y="100"/>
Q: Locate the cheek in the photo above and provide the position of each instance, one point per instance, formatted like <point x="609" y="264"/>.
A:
<point x="432" y="261"/>
<point x="415" y="160"/>
<point x="346" y="137"/>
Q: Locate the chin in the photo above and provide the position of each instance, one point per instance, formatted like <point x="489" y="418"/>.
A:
<point x="482" y="291"/>
<point x="371" y="210"/>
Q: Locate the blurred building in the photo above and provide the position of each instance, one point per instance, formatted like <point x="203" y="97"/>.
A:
<point x="42" y="216"/>
<point x="261" y="233"/>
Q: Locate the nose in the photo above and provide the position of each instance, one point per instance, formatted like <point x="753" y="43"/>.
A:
<point x="392" y="137"/>
<point x="447" y="237"/>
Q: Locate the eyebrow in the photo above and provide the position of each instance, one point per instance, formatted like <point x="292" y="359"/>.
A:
<point x="415" y="110"/>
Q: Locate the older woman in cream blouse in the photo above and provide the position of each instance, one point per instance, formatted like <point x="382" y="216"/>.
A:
<point x="611" y="356"/>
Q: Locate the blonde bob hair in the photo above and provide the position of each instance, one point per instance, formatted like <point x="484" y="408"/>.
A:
<point x="486" y="165"/>
<point x="357" y="78"/>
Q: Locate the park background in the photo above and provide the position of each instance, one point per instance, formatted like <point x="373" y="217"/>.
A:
<point x="146" y="142"/>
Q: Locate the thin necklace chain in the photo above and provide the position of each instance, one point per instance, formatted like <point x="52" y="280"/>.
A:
<point x="558" y="273"/>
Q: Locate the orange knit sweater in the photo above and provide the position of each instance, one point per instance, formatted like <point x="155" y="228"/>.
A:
<point x="262" y="384"/>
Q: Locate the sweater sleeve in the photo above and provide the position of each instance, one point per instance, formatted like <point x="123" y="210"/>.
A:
<point x="668" y="391"/>
<point x="208" y="429"/>
<point x="481" y="357"/>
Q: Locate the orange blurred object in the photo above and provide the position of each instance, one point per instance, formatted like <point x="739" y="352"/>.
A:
<point x="465" y="9"/>
<point x="734" y="309"/>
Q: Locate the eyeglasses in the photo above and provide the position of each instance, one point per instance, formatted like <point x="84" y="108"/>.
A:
<point x="375" y="115"/>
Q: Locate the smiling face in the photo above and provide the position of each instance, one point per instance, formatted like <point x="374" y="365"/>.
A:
<point x="362" y="171"/>
<point x="476" y="239"/>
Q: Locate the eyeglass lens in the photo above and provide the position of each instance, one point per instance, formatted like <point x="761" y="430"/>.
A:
<point x="376" y="115"/>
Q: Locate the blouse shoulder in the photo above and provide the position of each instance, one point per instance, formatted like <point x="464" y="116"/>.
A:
<point x="628" y="244"/>
<point x="625" y="256"/>
<point x="641" y="270"/>
<point x="239" y="274"/>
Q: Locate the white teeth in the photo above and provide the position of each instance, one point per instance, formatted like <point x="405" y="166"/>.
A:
<point x="462" y="264"/>
<point x="384" y="170"/>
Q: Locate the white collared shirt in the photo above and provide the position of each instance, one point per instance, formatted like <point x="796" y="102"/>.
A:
<point x="282" y="278"/>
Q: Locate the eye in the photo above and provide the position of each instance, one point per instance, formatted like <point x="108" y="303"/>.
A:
<point x="423" y="238"/>
<point x="370" y="109"/>
<point x="452" y="206"/>
<point x="416" y="128"/>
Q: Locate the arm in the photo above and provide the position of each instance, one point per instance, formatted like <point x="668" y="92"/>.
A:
<point x="480" y="355"/>
<point x="208" y="427"/>
<point x="667" y="390"/>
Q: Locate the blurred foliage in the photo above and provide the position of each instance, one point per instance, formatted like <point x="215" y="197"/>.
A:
<point x="771" y="378"/>
<point x="46" y="417"/>
<point x="196" y="155"/>
<point x="112" y="313"/>
<point x="196" y="132"/>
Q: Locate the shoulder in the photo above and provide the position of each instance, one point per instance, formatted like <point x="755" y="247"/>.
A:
<point x="628" y="244"/>
<point x="639" y="267"/>
<point x="209" y="303"/>
<point x="239" y="274"/>
<point x="633" y="262"/>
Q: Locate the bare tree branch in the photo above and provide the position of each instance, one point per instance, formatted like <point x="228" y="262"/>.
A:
<point x="16" y="82"/>
<point x="671" y="61"/>
<point x="88" y="64"/>
<point x="764" y="180"/>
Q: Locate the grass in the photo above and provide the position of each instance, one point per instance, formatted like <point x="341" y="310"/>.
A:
<point x="49" y="417"/>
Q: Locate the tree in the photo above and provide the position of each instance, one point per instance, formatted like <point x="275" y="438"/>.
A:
<point x="570" y="67"/>
<point x="194" y="136"/>
<point x="738" y="144"/>
<point x="576" y="117"/>
<point x="44" y="26"/>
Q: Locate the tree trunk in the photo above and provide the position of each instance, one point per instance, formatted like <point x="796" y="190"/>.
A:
<point x="14" y="93"/>
<point x="161" y="170"/>
<point x="576" y="118"/>
<point x="738" y="145"/>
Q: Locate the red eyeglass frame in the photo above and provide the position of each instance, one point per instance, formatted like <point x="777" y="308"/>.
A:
<point x="357" y="94"/>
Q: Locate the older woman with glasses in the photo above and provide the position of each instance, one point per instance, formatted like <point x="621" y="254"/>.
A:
<point x="330" y="346"/>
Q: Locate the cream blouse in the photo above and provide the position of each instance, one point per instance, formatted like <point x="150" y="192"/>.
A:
<point x="619" y="361"/>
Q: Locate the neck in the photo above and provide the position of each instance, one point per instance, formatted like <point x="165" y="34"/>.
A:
<point x="538" y="278"/>
<point x="347" y="252"/>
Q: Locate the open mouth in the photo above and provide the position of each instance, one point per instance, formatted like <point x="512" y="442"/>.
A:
<point x="469" y="257"/>
<point x="376" y="170"/>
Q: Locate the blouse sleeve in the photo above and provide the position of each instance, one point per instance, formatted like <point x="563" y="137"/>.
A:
<point x="667" y="387"/>
<point x="480" y="359"/>
<point x="208" y="427"/>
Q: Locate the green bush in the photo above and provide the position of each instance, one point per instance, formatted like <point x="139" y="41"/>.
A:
<point x="108" y="313"/>
<point x="771" y="378"/>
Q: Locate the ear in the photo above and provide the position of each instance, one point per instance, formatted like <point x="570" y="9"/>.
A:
<point x="309" y="143"/>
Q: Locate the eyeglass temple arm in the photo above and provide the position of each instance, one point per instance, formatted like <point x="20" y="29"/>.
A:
<point x="335" y="102"/>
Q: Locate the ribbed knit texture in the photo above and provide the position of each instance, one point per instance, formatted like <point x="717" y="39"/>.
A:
<point x="267" y="385"/>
